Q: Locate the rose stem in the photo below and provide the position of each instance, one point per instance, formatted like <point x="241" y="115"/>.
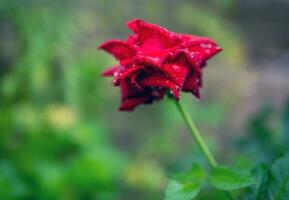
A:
<point x="197" y="136"/>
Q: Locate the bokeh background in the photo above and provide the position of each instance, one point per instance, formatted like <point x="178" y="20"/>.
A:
<point x="61" y="136"/>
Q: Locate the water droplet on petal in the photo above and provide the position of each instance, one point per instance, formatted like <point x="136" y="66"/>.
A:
<point x="176" y="68"/>
<point x="115" y="73"/>
<point x="206" y="45"/>
<point x="192" y="55"/>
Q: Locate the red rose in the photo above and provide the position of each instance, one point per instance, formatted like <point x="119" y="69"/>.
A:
<point x="154" y="60"/>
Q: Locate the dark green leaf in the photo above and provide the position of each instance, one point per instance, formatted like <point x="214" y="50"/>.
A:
<point x="186" y="186"/>
<point x="279" y="179"/>
<point x="229" y="178"/>
<point x="258" y="190"/>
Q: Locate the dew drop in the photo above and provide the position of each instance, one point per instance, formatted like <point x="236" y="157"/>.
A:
<point x="192" y="55"/>
<point x="116" y="82"/>
<point x="206" y="45"/>
<point x="176" y="68"/>
<point x="207" y="51"/>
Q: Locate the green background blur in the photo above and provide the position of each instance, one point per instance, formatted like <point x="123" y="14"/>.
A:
<point x="61" y="136"/>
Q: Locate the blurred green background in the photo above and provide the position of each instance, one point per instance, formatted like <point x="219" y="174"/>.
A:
<point x="61" y="136"/>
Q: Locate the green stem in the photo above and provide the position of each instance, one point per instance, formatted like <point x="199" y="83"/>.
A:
<point x="197" y="136"/>
<point x="200" y="141"/>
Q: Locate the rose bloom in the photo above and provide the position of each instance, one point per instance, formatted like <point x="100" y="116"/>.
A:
<point x="154" y="60"/>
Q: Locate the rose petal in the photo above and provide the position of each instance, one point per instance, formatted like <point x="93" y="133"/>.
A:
<point x="129" y="90"/>
<point x="119" y="49"/>
<point x="177" y="72"/>
<point x="130" y="103"/>
<point x="204" y="47"/>
<point x="151" y="37"/>
<point x="193" y="84"/>
<point x="127" y="62"/>
<point x="131" y="71"/>
<point x="155" y="58"/>
<point x="110" y="71"/>
<point x="159" y="80"/>
<point x="204" y="51"/>
<point x="186" y="58"/>
<point x="134" y="81"/>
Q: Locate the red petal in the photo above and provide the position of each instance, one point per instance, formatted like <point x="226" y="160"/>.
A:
<point x="134" y="81"/>
<point x="192" y="84"/>
<point x="155" y="58"/>
<point x="131" y="71"/>
<point x="186" y="58"/>
<point x="130" y="103"/>
<point x="192" y="39"/>
<point x="151" y="37"/>
<point x="115" y="71"/>
<point x="120" y="49"/>
<point x="177" y="72"/>
<point x="129" y="90"/>
<point x="159" y="80"/>
<point x="110" y="71"/>
<point x="189" y="40"/>
<point x="204" y="47"/>
<point x="205" y="51"/>
<point x="126" y="62"/>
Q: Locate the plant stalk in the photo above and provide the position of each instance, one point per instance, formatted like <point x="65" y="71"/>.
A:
<point x="200" y="141"/>
<point x="197" y="136"/>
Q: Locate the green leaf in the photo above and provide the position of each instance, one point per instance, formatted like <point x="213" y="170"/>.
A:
<point x="258" y="190"/>
<point x="278" y="188"/>
<point x="186" y="186"/>
<point x="274" y="182"/>
<point x="229" y="178"/>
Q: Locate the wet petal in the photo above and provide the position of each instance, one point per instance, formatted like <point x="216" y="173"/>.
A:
<point x="129" y="90"/>
<point x="119" y="49"/>
<point x="151" y="37"/>
<point x="186" y="58"/>
<point x="127" y="62"/>
<point x="155" y="58"/>
<point x="132" y="74"/>
<point x="110" y="71"/>
<point x="193" y="84"/>
<point x="205" y="49"/>
<point x="189" y="40"/>
<point x="159" y="80"/>
<point x="177" y="72"/>
<point x="131" y="71"/>
<point x="130" y="103"/>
